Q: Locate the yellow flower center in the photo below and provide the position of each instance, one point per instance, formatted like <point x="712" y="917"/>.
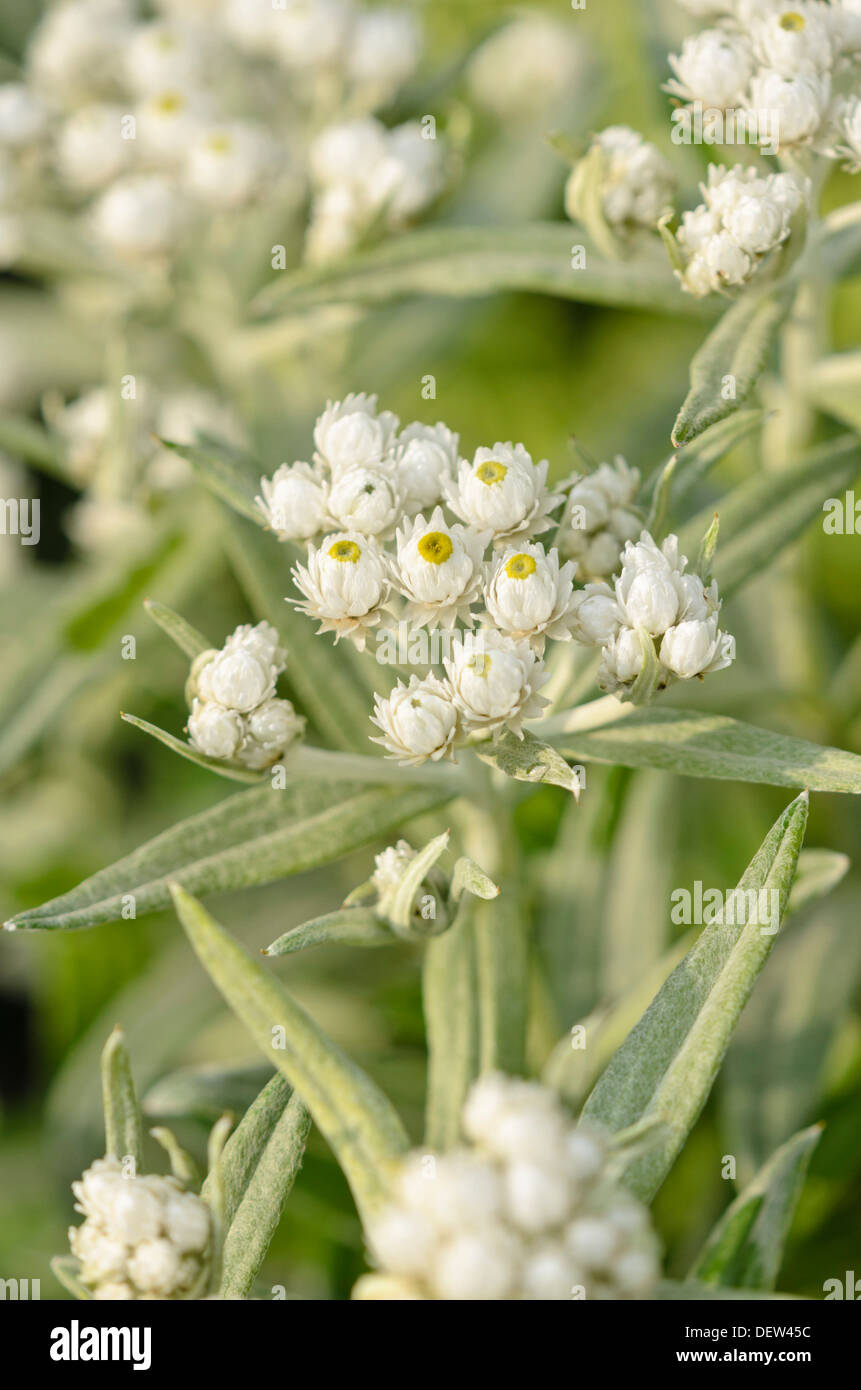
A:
<point x="220" y="143"/>
<point x="793" y="21"/>
<point x="345" y="552"/>
<point x="520" y="567"/>
<point x="435" y="547"/>
<point x="169" y="104"/>
<point x="480" y="664"/>
<point x="492" y="471"/>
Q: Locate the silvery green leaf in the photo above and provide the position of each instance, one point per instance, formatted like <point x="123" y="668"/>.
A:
<point x="668" y="1063"/>
<point x="707" y="745"/>
<point x="834" y="385"/>
<point x="123" y="1130"/>
<point x="725" y="369"/>
<point x="216" y="1198"/>
<point x="186" y="637"/>
<point x="638" y="883"/>
<point x="205" y="1092"/>
<point x="400" y="910"/>
<point x="257" y="836"/>
<point x="819" y="871"/>
<point x="585" y="201"/>
<point x="450" y="998"/>
<point x="693" y="460"/>
<point x="265" y="1189"/>
<point x="745" y="1248"/>
<point x="232" y="772"/>
<point x="465" y="261"/>
<point x="182" y="1164"/>
<point x="233" y="478"/>
<point x="529" y="759"/>
<point x="67" y="1269"/>
<point x="467" y="877"/>
<point x="708" y="546"/>
<point x="358" y="1121"/>
<point x="24" y="439"/>
<point x="758" y="520"/>
<point x="502" y="960"/>
<point x="350" y="926"/>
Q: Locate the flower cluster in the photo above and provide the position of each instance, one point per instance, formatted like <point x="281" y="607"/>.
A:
<point x="527" y="1210"/>
<point x="146" y="126"/>
<point x="743" y="219"/>
<point x="657" y="615"/>
<point x="142" y="1237"/>
<point x="790" y="71"/>
<point x="235" y="713"/>
<point x="600" y="516"/>
<point x="427" y="542"/>
<point x="636" y="182"/>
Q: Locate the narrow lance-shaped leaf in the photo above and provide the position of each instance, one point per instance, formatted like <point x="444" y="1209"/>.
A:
<point x="450" y="998"/>
<point x="530" y="760"/>
<point x="184" y="750"/>
<point x="233" y="479"/>
<point x="257" y="836"/>
<point x="358" y="1121"/>
<point x="186" y="637"/>
<point x="745" y="1248"/>
<point x="205" y="1092"/>
<point x="666" y="1067"/>
<point x="123" y="1131"/>
<point x="349" y="926"/>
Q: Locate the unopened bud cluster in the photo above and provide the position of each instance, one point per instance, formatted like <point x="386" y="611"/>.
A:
<point x="600" y="516"/>
<point x="527" y="1209"/>
<point x="635" y="181"/>
<point x="142" y="1237"/>
<point x="235" y="713"/>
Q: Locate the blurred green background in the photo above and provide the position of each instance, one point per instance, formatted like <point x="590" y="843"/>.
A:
<point x="79" y="788"/>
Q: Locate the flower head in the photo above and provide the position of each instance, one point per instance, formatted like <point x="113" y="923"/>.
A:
<point x="418" y="721"/>
<point x="504" y="492"/>
<point x="345" y="583"/>
<point x="438" y="569"/>
<point x="495" y="681"/>
<point x="425" y="459"/>
<point x="528" y="594"/>
<point x="353" y="434"/>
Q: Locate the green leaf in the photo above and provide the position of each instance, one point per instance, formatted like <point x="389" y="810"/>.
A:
<point x="67" y="1268"/>
<point x="25" y="439"/>
<point x="467" y="261"/>
<point x="666" y="1067"/>
<point x="123" y="1131"/>
<point x="231" y="477"/>
<point x="745" y="1248"/>
<point x="185" y="750"/>
<point x="450" y="998"/>
<point x="205" y="1092"/>
<point x="725" y="369"/>
<point x="758" y="519"/>
<point x="707" y="745"/>
<point x="186" y="637"/>
<point x="358" y="1121"/>
<point x="834" y="385"/>
<point x="528" y="759"/>
<point x="819" y="871"/>
<point x="693" y="461"/>
<point x="350" y="926"/>
<point x="257" y="836"/>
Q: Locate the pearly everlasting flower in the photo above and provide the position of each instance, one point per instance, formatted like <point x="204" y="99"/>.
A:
<point x="425" y="459"/>
<point x="526" y="68"/>
<point x="268" y="731"/>
<point x="23" y="115"/>
<point x="526" y="1210"/>
<point x="528" y="594"/>
<point x="140" y="216"/>
<point x="312" y="34"/>
<point x="637" y="182"/>
<point x="214" y="730"/>
<point x="142" y="1237"/>
<point x="695" y="647"/>
<point x="295" y="502"/>
<point x="383" y="52"/>
<point x="76" y="50"/>
<point x="413" y="173"/>
<point x="438" y="569"/>
<point x="167" y="122"/>
<point x="353" y="434"/>
<point x="418" y="721"/>
<point x="345" y="583"/>
<point x="622" y="660"/>
<point x="595" y="618"/>
<point x="793" y="41"/>
<point x="714" y="67"/>
<point x="228" y="165"/>
<point x="647" y="590"/>
<point x="347" y="152"/>
<point x="243" y="674"/>
<point x="389" y="866"/>
<point x="161" y="55"/>
<point x="600" y="516"/>
<point x="90" y="150"/>
<point x="503" y="491"/>
<point x="849" y="134"/>
<point x="495" y="681"/>
<point x="745" y="217"/>
<point x="793" y="107"/>
<point x="365" y="499"/>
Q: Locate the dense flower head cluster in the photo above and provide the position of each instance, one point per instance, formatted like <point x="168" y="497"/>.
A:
<point x="527" y="1209"/>
<point x="656" y="610"/>
<point x="637" y="183"/>
<point x="791" y="70"/>
<point x="147" y="125"/>
<point x="142" y="1238"/>
<point x="235" y="714"/>
<point x="402" y="533"/>
<point x="744" y="217"/>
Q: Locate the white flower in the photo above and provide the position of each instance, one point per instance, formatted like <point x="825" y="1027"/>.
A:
<point x="793" y="42"/>
<point x="412" y="173"/>
<point x="621" y="661"/>
<point x="23" y="115"/>
<point x="849" y="126"/>
<point x="214" y="730"/>
<point x="478" y="1265"/>
<point x="638" y="182"/>
<point x="90" y="149"/>
<point x="295" y="502"/>
<point x="161" y="55"/>
<point x="228" y="165"/>
<point x="526" y="67"/>
<point x="495" y="681"/>
<point x="269" y="731"/>
<point x="389" y="869"/>
<point x="744" y="218"/>
<point x="352" y="434"/>
<point x="646" y="590"/>
<point x="345" y="583"/>
<point x="503" y="491"/>
<point x="243" y="674"/>
<point x="365" y="499"/>
<point x="527" y="594"/>
<point x="792" y="107"/>
<point x="425" y="458"/>
<point x="347" y="153"/>
<point x="438" y="569"/>
<point x="594" y="617"/>
<point x="418" y="721"/>
<point x="76" y="50"/>
<point x="714" y="67"/>
<point x="312" y="34"/>
<point x="695" y="647"/>
<point x="383" y="51"/>
<point x="167" y="122"/>
<point x="140" y="216"/>
<point x="599" y="517"/>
